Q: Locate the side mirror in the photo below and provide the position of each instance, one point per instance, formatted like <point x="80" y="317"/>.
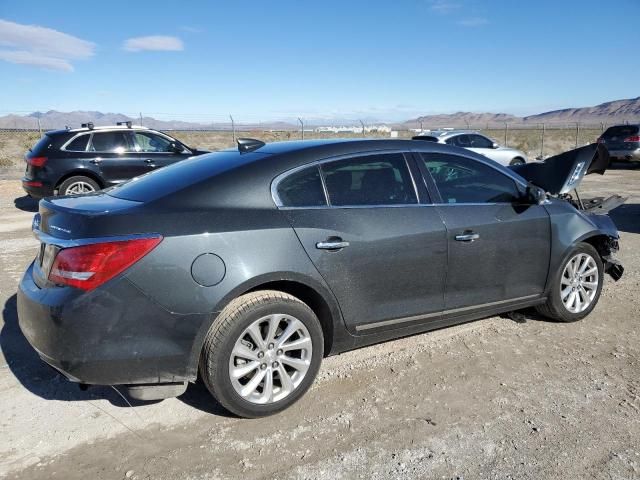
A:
<point x="535" y="195"/>
<point x="495" y="145"/>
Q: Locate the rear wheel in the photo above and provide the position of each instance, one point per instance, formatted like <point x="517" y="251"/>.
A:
<point x="78" y="185"/>
<point x="517" y="161"/>
<point x="262" y="353"/>
<point x="576" y="287"/>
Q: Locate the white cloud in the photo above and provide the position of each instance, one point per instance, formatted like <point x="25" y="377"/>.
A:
<point x="159" y="43"/>
<point x="444" y="6"/>
<point x="41" y="46"/>
<point x="473" y="22"/>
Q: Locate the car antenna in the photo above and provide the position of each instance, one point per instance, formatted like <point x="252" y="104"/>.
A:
<point x="246" y="145"/>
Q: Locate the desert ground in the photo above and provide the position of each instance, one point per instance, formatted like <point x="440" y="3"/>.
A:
<point x="502" y="398"/>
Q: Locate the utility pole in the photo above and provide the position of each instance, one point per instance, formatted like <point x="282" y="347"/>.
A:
<point x="506" y="131"/>
<point x="141" y="119"/>
<point x="233" y="128"/>
<point x="577" y="132"/>
<point x="301" y="127"/>
<point x="362" y="123"/>
<point x="421" y="127"/>
<point x="542" y="144"/>
<point x="39" y="127"/>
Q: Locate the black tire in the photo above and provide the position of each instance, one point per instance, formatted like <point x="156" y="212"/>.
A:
<point x="517" y="161"/>
<point x="76" y="180"/>
<point x="554" y="308"/>
<point x="227" y="329"/>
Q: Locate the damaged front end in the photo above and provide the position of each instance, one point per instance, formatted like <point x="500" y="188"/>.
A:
<point x="560" y="177"/>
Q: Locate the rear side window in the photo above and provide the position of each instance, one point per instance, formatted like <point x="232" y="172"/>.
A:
<point x="462" y="180"/>
<point x="478" y="141"/>
<point x="621" y="131"/>
<point x="115" y="142"/>
<point x="370" y="180"/>
<point x="302" y="189"/>
<point x="459" y="141"/>
<point x="79" y="144"/>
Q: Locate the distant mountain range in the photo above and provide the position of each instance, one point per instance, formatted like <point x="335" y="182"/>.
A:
<point x="617" y="111"/>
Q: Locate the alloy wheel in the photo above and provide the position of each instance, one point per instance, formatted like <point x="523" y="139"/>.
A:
<point x="79" y="187"/>
<point x="579" y="282"/>
<point x="270" y="359"/>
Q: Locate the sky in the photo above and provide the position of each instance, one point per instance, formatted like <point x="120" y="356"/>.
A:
<point x="266" y="60"/>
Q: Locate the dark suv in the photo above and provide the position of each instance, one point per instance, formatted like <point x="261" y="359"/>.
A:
<point x="87" y="159"/>
<point x="622" y="142"/>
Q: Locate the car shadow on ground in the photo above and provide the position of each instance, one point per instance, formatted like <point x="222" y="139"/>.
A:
<point x="26" y="204"/>
<point x="627" y="217"/>
<point x="45" y="382"/>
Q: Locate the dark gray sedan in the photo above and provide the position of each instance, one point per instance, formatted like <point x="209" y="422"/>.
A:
<point x="250" y="265"/>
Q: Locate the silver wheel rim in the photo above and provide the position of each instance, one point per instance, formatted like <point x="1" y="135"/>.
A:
<point x="270" y="359"/>
<point x="579" y="283"/>
<point x="79" y="187"/>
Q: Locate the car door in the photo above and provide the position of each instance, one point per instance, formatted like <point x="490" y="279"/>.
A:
<point x="499" y="246"/>
<point x="113" y="153"/>
<point x="382" y="253"/>
<point x="157" y="150"/>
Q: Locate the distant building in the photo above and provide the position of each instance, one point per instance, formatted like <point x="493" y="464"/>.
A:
<point x="354" y="129"/>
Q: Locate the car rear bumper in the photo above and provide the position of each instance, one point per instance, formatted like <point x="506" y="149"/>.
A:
<point x="632" y="155"/>
<point x="113" y="335"/>
<point x="36" y="188"/>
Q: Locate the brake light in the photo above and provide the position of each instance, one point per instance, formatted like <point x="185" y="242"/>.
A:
<point x="30" y="183"/>
<point x="633" y="138"/>
<point x="89" y="266"/>
<point x="37" y="161"/>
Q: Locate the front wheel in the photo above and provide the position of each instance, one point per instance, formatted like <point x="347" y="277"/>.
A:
<point x="576" y="287"/>
<point x="262" y="353"/>
<point x="517" y="161"/>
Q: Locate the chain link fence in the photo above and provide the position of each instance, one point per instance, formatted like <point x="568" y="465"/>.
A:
<point x="536" y="141"/>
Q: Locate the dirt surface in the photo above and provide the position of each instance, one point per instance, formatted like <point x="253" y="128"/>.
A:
<point x="495" y="398"/>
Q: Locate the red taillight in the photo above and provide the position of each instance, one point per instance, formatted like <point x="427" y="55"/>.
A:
<point x="633" y="138"/>
<point x="37" y="161"/>
<point x="88" y="266"/>
<point x="30" y="183"/>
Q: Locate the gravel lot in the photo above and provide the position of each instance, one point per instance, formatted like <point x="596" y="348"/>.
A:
<point x="490" y="399"/>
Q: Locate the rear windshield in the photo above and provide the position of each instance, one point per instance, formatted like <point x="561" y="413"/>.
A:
<point x="621" y="131"/>
<point x="180" y="175"/>
<point x="42" y="145"/>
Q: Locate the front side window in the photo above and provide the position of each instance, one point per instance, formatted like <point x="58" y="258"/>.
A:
<point x="302" y="189"/>
<point x="459" y="141"/>
<point x="463" y="180"/>
<point x="79" y="144"/>
<point x="150" y="143"/>
<point x="113" y="142"/>
<point x="382" y="179"/>
<point x="478" y="141"/>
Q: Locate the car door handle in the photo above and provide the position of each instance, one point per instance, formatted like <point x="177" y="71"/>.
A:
<point x="332" y="245"/>
<point x="148" y="160"/>
<point x="96" y="161"/>
<point x="467" y="237"/>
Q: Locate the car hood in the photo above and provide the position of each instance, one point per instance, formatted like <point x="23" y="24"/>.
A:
<point x="562" y="173"/>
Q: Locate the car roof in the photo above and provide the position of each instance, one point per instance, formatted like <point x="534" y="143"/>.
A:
<point x="442" y="133"/>
<point x="96" y="129"/>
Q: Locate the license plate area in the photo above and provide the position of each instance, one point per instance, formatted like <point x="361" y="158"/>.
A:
<point x="46" y="256"/>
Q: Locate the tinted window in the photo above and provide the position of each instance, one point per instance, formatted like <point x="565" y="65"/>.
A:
<point x="621" y="131"/>
<point x="43" y="144"/>
<point x="148" y="142"/>
<point x="302" y="189"/>
<point x="79" y="144"/>
<point x="459" y="141"/>
<point x="109" y="142"/>
<point x="371" y="180"/>
<point x="478" y="141"/>
<point x="461" y="180"/>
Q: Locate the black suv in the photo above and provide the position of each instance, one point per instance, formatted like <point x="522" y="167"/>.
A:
<point x="622" y="142"/>
<point x="87" y="159"/>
